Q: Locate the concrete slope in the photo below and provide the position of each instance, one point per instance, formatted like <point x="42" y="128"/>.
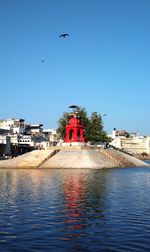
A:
<point x="122" y="159"/>
<point x="116" y="156"/>
<point x="134" y="160"/>
<point x="78" y="159"/>
<point x="36" y="158"/>
<point x="12" y="163"/>
<point x="31" y="159"/>
<point x="73" y="158"/>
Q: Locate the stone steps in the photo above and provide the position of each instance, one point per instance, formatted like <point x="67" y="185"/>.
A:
<point x="47" y="158"/>
<point x="35" y="159"/>
<point x="116" y="156"/>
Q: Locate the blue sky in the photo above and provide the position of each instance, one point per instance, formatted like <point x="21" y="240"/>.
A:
<point x="103" y="65"/>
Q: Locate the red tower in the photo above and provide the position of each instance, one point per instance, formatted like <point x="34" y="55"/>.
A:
<point x="74" y="131"/>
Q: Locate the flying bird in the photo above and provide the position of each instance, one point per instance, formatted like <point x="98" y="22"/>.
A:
<point x="42" y="61"/>
<point x="64" y="35"/>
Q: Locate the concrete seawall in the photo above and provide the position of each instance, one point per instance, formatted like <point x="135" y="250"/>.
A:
<point x="31" y="159"/>
<point x="71" y="157"/>
<point x="78" y="159"/>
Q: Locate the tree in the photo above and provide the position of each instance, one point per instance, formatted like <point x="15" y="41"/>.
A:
<point x="82" y="114"/>
<point x="96" y="127"/>
<point x="93" y="126"/>
<point x="97" y="133"/>
<point x="61" y="130"/>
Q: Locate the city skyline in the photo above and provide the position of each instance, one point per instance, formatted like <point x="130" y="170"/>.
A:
<point x="103" y="65"/>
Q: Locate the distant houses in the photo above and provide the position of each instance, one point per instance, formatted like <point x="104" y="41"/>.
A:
<point x="131" y="143"/>
<point x="13" y="126"/>
<point x="17" y="137"/>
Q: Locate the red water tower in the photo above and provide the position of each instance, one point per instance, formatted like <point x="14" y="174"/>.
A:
<point x="74" y="130"/>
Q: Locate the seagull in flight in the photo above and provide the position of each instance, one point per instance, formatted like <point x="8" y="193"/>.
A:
<point x="64" y="35"/>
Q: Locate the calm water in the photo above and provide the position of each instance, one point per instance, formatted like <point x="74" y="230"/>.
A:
<point x="75" y="210"/>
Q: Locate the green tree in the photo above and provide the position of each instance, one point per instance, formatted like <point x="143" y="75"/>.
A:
<point x="96" y="132"/>
<point x="82" y="114"/>
<point x="93" y="126"/>
<point x="96" y="127"/>
<point x="61" y="130"/>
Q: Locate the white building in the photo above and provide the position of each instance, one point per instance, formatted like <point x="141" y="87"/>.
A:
<point x="134" y="145"/>
<point x="50" y="134"/>
<point x="15" y="126"/>
<point x="116" y="133"/>
<point x="25" y="140"/>
<point x="34" y="128"/>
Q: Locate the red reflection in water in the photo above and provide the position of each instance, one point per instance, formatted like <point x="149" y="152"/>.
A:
<point x="75" y="198"/>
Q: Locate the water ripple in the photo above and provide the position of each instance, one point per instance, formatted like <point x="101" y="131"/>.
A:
<point x="75" y="210"/>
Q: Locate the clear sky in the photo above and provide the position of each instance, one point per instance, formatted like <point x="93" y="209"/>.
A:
<point x="104" y="65"/>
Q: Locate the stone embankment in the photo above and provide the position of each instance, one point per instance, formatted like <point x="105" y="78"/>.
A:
<point x="120" y="158"/>
<point x="33" y="159"/>
<point x="73" y="157"/>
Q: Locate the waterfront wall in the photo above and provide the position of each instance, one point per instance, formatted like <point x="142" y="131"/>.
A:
<point x="134" y="145"/>
<point x="73" y="157"/>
